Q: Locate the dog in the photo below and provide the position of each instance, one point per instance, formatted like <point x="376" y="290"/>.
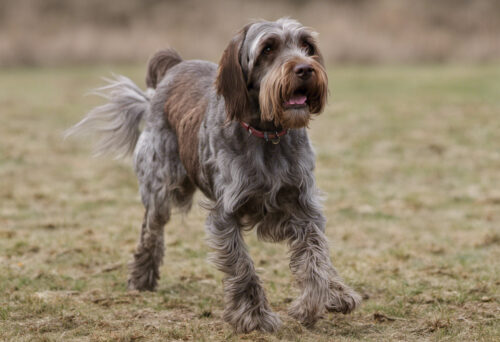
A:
<point x="237" y="132"/>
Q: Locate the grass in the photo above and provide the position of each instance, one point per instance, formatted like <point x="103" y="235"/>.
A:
<point x="409" y="157"/>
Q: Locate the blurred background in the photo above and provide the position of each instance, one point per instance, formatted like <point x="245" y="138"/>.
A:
<point x="55" y="32"/>
<point x="408" y="155"/>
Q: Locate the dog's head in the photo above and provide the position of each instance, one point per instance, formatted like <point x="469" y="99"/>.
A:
<point x="275" y="68"/>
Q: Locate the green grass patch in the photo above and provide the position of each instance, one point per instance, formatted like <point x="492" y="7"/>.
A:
<point x="408" y="157"/>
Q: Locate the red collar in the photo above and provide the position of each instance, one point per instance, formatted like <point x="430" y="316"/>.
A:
<point x="266" y="135"/>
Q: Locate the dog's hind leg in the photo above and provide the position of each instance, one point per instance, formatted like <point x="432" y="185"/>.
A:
<point x="155" y="164"/>
<point x="145" y="268"/>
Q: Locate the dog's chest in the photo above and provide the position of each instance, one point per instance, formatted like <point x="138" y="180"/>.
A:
<point x="268" y="177"/>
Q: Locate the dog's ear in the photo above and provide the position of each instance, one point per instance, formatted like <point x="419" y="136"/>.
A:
<point x="230" y="81"/>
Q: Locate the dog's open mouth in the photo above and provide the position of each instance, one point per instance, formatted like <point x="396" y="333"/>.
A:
<point x="297" y="100"/>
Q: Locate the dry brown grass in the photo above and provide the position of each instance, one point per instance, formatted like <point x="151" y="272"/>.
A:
<point x="52" y="32"/>
<point x="408" y="156"/>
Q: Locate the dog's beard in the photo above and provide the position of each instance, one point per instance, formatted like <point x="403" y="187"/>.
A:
<point x="295" y="117"/>
<point x="288" y="102"/>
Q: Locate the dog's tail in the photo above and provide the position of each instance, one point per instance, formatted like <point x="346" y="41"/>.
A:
<point x="159" y="64"/>
<point x="116" y="122"/>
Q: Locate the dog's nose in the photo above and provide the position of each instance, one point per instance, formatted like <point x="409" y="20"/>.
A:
<point x="303" y="71"/>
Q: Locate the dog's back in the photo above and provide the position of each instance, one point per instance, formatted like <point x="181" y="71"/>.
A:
<point x="183" y="91"/>
<point x="187" y="93"/>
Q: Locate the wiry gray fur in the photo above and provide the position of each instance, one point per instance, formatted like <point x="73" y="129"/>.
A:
<point x="116" y="122"/>
<point x="248" y="183"/>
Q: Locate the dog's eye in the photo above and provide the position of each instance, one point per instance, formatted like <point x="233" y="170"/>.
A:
<point x="308" y="47"/>
<point x="267" y="50"/>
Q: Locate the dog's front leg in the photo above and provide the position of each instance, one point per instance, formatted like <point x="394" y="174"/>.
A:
<point x="321" y="286"/>
<point x="246" y="305"/>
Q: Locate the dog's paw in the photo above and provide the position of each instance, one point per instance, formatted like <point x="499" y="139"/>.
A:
<point x="342" y="298"/>
<point x="144" y="271"/>
<point x="141" y="284"/>
<point x="260" y="318"/>
<point x="306" y="313"/>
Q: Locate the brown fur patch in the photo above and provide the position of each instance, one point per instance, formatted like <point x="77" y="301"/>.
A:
<point x="230" y="82"/>
<point x="159" y="64"/>
<point x="185" y="108"/>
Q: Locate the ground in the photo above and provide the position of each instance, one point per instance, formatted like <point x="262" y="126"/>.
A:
<point x="408" y="158"/>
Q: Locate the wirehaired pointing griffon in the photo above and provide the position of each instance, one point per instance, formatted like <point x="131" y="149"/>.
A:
<point x="237" y="132"/>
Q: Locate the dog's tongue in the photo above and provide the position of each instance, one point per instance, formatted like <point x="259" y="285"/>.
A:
<point x="297" y="100"/>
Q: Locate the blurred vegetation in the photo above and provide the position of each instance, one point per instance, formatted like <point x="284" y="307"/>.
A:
<point x="54" y="32"/>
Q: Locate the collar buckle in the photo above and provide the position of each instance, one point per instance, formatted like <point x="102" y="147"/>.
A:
<point x="276" y="139"/>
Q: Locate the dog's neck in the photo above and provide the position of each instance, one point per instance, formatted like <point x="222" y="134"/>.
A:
<point x="253" y="118"/>
<point x="268" y="126"/>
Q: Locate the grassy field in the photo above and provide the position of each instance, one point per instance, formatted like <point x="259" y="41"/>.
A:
<point x="409" y="158"/>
